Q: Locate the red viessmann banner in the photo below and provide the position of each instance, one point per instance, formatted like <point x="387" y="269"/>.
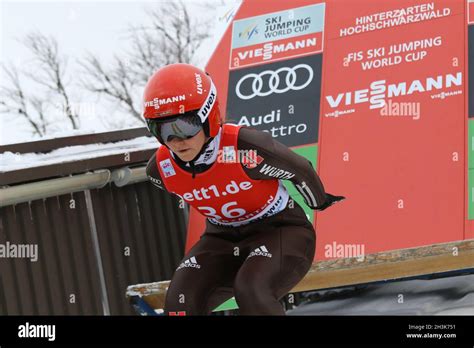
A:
<point x="392" y="118"/>
<point x="392" y="121"/>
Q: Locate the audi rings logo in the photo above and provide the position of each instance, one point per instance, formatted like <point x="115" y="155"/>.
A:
<point x="273" y="83"/>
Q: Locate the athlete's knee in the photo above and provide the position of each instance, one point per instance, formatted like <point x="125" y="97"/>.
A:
<point x="182" y="302"/>
<point x="184" y="294"/>
<point x="252" y="294"/>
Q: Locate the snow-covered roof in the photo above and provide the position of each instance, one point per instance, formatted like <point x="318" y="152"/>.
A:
<point x="10" y="161"/>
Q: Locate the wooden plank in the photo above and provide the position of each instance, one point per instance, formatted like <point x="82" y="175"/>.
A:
<point x="387" y="265"/>
<point x="402" y="263"/>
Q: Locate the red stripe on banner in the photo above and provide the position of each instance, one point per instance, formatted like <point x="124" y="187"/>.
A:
<point x="276" y="50"/>
<point x="470" y="17"/>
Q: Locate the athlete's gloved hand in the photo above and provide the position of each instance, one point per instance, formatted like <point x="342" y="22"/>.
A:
<point x="330" y="200"/>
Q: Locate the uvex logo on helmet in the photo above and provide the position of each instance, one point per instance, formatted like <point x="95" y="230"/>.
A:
<point x="206" y="108"/>
<point x="198" y="83"/>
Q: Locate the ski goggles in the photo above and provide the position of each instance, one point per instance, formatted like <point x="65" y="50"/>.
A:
<point x="184" y="126"/>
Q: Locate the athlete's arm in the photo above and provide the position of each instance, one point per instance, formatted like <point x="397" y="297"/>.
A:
<point x="279" y="162"/>
<point x="153" y="173"/>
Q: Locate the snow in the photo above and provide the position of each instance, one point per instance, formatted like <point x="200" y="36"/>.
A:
<point x="10" y="161"/>
<point x="444" y="296"/>
<point x="145" y="289"/>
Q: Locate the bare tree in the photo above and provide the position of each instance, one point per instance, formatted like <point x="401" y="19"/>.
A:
<point x="172" y="36"/>
<point x="182" y="36"/>
<point x="115" y="82"/>
<point x="52" y="71"/>
<point x="15" y="101"/>
<point x="49" y="72"/>
<point x="149" y="51"/>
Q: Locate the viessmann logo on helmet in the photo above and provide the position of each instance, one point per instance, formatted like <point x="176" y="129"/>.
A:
<point x="206" y="108"/>
<point x="157" y="102"/>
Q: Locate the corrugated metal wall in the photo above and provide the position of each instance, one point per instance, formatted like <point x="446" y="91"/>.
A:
<point x="140" y="232"/>
<point x="64" y="279"/>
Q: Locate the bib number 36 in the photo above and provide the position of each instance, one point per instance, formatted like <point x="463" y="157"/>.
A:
<point x="226" y="211"/>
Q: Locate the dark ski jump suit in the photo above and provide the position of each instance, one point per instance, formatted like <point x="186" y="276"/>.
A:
<point x="260" y="259"/>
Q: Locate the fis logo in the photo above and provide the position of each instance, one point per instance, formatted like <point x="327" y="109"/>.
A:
<point x="249" y="32"/>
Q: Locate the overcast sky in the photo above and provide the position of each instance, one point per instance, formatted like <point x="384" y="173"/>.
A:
<point x="80" y="26"/>
<point x="99" y="26"/>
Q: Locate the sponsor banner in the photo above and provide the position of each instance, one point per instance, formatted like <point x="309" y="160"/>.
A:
<point x="278" y="35"/>
<point x="355" y="17"/>
<point x="277" y="50"/>
<point x="392" y="125"/>
<point x="281" y="98"/>
<point x="422" y="63"/>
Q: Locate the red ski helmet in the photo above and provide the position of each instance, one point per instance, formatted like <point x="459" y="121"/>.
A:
<point x="181" y="91"/>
